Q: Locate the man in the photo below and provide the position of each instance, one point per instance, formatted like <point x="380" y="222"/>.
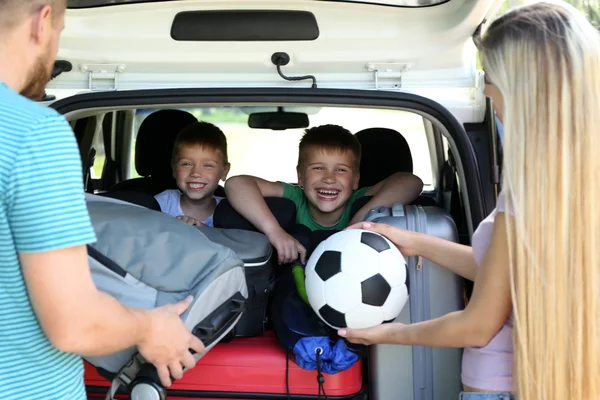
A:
<point x="50" y="310"/>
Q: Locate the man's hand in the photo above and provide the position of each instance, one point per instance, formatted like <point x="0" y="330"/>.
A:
<point x="167" y="342"/>
<point x="287" y="247"/>
<point x="190" y="220"/>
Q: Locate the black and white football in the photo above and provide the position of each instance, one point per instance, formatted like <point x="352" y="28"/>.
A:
<point x="356" y="279"/>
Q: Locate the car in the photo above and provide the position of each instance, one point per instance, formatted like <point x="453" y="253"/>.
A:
<point x="400" y="74"/>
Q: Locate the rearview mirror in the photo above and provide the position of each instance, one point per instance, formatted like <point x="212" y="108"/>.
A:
<point x="278" y="121"/>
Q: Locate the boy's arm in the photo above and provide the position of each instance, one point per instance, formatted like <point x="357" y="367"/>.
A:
<point x="400" y="187"/>
<point x="246" y="194"/>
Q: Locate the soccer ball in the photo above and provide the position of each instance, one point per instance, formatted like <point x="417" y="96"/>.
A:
<point x="356" y="279"/>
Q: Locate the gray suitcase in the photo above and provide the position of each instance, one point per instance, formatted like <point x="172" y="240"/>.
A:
<point x="414" y="372"/>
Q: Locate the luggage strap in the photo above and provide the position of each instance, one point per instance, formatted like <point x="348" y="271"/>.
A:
<point x="126" y="375"/>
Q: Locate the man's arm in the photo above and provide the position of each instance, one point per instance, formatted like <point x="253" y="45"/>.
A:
<point x="50" y="226"/>
<point x="246" y="194"/>
<point x="400" y="187"/>
<point x="76" y="317"/>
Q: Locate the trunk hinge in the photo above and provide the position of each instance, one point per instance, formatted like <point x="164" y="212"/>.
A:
<point x="387" y="75"/>
<point x="103" y="76"/>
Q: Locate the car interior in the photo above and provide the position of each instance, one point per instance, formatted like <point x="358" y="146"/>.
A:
<point x="126" y="144"/>
<point x="401" y="75"/>
<point x="126" y="151"/>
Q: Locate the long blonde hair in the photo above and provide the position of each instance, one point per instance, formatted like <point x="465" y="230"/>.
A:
<point x="544" y="58"/>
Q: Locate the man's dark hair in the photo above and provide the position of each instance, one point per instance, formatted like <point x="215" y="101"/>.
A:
<point x="202" y="134"/>
<point x="329" y="138"/>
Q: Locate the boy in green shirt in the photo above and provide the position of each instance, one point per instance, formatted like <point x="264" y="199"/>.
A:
<point x="328" y="175"/>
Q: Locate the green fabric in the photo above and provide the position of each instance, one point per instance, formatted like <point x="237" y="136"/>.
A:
<point x="296" y="195"/>
<point x="298" y="273"/>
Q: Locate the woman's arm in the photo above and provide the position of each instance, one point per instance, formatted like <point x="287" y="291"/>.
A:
<point x="474" y="326"/>
<point x="452" y="256"/>
<point x="455" y="257"/>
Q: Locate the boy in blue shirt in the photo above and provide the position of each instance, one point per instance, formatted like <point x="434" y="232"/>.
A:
<point x="199" y="163"/>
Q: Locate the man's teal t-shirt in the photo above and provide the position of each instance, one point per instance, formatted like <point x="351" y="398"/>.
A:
<point x="303" y="217"/>
<point x="42" y="208"/>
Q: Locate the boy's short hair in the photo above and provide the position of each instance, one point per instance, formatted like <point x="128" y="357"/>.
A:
<point x="203" y="134"/>
<point x="332" y="138"/>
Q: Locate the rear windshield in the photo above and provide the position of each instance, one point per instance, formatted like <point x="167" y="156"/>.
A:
<point x="97" y="3"/>
<point x="392" y="3"/>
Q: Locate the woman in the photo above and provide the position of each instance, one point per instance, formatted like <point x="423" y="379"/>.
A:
<point x="535" y="259"/>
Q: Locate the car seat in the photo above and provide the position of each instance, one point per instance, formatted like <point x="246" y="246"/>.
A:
<point x="153" y="148"/>
<point x="384" y="152"/>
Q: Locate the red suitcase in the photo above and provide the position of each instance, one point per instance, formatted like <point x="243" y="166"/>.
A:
<point x="249" y="368"/>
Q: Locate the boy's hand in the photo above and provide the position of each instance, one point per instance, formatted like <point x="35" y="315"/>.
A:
<point x="287" y="247"/>
<point x="190" y="220"/>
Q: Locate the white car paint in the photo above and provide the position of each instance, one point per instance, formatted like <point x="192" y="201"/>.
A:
<point x="426" y="50"/>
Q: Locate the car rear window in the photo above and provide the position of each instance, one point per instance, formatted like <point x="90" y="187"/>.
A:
<point x="98" y="3"/>
<point x="392" y="3"/>
<point x="273" y="154"/>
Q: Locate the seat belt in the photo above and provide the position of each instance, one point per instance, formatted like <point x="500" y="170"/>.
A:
<point x="111" y="171"/>
<point x="448" y="181"/>
<point x="87" y="153"/>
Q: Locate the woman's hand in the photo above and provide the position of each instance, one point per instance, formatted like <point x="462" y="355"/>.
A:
<point x="403" y="239"/>
<point x="384" y="333"/>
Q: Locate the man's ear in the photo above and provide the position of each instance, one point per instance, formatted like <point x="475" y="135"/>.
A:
<point x="225" y="172"/>
<point x="41" y="25"/>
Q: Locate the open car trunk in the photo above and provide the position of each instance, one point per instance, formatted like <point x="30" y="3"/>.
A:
<point x="421" y="47"/>
<point x="263" y="71"/>
<point x="257" y="367"/>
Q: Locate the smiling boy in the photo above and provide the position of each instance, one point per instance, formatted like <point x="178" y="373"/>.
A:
<point x="199" y="162"/>
<point x="328" y="176"/>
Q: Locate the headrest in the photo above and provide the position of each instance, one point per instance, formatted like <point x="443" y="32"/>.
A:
<point x="155" y="139"/>
<point x="134" y="197"/>
<point x="283" y="210"/>
<point x="384" y="152"/>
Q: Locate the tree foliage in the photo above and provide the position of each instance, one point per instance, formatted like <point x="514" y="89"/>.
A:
<point x="591" y="8"/>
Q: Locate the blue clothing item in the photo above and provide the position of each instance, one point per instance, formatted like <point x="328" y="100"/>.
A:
<point x="332" y="358"/>
<point x="42" y="208"/>
<point x="486" y="396"/>
<point x="170" y="203"/>
<point x="500" y="130"/>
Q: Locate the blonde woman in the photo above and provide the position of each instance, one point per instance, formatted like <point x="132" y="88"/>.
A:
<point x="535" y="260"/>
